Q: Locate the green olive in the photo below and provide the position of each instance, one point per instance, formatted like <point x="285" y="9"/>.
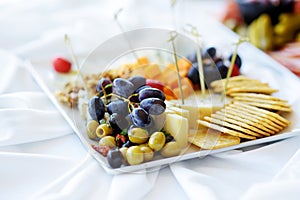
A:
<point x="157" y="141"/>
<point x="103" y="130"/>
<point x="91" y="129"/>
<point x="124" y="151"/>
<point x="108" y="141"/>
<point x="138" y="135"/>
<point x="134" y="155"/>
<point x="148" y="153"/>
<point x="170" y="149"/>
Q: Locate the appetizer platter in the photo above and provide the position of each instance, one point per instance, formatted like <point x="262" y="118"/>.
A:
<point x="147" y="98"/>
<point x="272" y="26"/>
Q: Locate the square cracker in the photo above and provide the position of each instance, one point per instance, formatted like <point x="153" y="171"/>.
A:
<point x="212" y="139"/>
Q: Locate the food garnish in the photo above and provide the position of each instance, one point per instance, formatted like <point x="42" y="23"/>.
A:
<point x="133" y="116"/>
<point x="61" y="65"/>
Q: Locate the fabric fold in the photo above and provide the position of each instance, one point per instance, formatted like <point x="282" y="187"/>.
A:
<point x="22" y="174"/>
<point x="28" y="117"/>
<point x="135" y="185"/>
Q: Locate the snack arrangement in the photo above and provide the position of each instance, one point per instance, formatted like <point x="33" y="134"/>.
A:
<point x="271" y="26"/>
<point x="134" y="113"/>
<point x="252" y="113"/>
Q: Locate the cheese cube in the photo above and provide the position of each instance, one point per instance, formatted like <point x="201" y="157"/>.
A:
<point x="180" y="111"/>
<point x="178" y="127"/>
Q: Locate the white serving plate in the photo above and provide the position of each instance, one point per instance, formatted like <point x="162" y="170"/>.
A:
<point x="256" y="64"/>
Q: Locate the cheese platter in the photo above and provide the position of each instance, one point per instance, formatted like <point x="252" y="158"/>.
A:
<point x="190" y="127"/>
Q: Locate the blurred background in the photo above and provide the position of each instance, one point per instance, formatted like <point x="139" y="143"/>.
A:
<point x="271" y="25"/>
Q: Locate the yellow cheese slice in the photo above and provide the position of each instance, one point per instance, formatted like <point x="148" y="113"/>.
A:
<point x="178" y="127"/>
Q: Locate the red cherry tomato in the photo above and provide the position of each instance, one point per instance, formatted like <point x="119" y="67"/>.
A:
<point x="61" y="65"/>
<point x="235" y="71"/>
<point x="159" y="85"/>
<point x="155" y="84"/>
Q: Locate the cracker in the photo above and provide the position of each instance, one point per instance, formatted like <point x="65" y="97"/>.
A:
<point x="231" y="79"/>
<point x="235" y="119"/>
<point x="255" y="89"/>
<point x="239" y="126"/>
<point x="225" y="130"/>
<point x="246" y="83"/>
<point x="212" y="139"/>
<point x="274" y="116"/>
<point x="265" y="125"/>
<point x="267" y="106"/>
<point x="265" y="101"/>
<point x="257" y="96"/>
<point x="242" y="84"/>
<point x="232" y="126"/>
<point x="259" y="116"/>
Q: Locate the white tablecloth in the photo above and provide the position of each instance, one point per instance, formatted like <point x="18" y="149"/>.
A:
<point x="42" y="158"/>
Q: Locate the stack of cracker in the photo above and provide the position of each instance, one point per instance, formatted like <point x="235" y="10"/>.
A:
<point x="253" y="113"/>
<point x="242" y="84"/>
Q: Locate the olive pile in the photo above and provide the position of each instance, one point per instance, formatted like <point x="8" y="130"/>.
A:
<point x="127" y="121"/>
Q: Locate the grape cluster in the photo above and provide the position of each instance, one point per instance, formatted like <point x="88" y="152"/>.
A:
<point x="215" y="67"/>
<point x="126" y="104"/>
<point x="131" y="98"/>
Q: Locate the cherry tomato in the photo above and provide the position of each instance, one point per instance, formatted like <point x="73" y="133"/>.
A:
<point x="159" y="85"/>
<point x="155" y="84"/>
<point x="61" y="65"/>
<point x="235" y="70"/>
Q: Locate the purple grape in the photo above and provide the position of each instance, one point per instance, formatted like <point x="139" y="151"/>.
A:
<point x="210" y="52"/>
<point x="140" y="117"/>
<point x="151" y="93"/>
<point x="153" y="106"/>
<point x="96" y="108"/>
<point x="140" y="88"/>
<point x="223" y="69"/>
<point x="137" y="81"/>
<point x="118" y="106"/>
<point x="211" y="74"/>
<point x="193" y="74"/>
<point x="104" y="84"/>
<point x="118" y="123"/>
<point x="134" y="98"/>
<point x="123" y="87"/>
